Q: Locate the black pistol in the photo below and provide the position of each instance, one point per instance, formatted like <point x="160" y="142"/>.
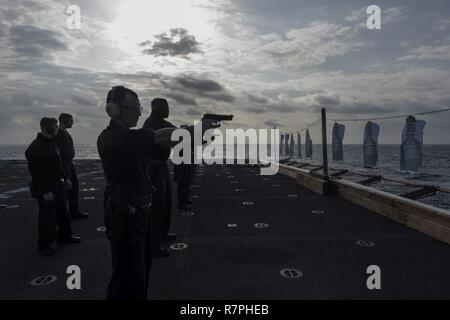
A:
<point x="218" y="117"/>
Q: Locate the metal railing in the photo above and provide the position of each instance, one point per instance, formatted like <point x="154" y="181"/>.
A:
<point x="410" y="189"/>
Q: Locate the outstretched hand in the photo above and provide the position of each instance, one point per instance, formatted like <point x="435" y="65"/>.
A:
<point x="163" y="136"/>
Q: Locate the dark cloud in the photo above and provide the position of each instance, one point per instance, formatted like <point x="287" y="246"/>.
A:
<point x="328" y="101"/>
<point x="196" y="87"/>
<point x="224" y="97"/>
<point x="48" y="90"/>
<point x="256" y="99"/>
<point x="201" y="85"/>
<point x="182" y="99"/>
<point x="179" y="43"/>
<point x="29" y="41"/>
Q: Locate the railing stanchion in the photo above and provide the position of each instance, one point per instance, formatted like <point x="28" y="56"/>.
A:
<point x="324" y="142"/>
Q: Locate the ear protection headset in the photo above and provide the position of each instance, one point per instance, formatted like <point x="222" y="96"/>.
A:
<point x="115" y="96"/>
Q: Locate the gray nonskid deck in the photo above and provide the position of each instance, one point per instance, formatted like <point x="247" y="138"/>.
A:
<point x="227" y="256"/>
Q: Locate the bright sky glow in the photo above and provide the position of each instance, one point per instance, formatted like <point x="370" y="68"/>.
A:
<point x="141" y="20"/>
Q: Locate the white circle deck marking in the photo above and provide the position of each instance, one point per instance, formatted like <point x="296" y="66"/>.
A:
<point x="291" y="273"/>
<point x="239" y="190"/>
<point x="293" y="195"/>
<point x="365" y="243"/>
<point x="101" y="229"/>
<point x="261" y="225"/>
<point x="188" y="213"/>
<point x="89" y="198"/>
<point x="247" y="203"/>
<point x="318" y="211"/>
<point x="89" y="189"/>
<point x="178" y="246"/>
<point x="43" y="280"/>
<point x="232" y="225"/>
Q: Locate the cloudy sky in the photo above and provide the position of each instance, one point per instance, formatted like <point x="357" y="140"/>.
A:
<point x="267" y="62"/>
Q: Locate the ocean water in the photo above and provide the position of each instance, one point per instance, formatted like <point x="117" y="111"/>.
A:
<point x="436" y="161"/>
<point x="17" y="152"/>
<point x="435" y="164"/>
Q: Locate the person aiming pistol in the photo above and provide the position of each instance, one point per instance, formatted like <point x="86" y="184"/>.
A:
<point x="128" y="195"/>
